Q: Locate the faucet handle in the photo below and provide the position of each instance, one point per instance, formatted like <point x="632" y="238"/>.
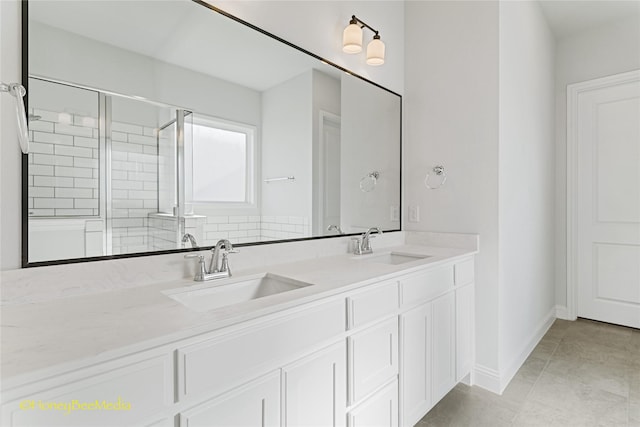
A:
<point x="224" y="266"/>
<point x="357" y="245"/>
<point x="202" y="269"/>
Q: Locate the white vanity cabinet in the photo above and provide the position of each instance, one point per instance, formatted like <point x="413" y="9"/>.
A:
<point x="380" y="410"/>
<point x="315" y="388"/>
<point x="428" y="356"/>
<point x="373" y="359"/>
<point x="436" y="337"/>
<point x="373" y="355"/>
<point x="465" y="318"/>
<point x="379" y="355"/>
<point x="254" y="404"/>
<point x="130" y="391"/>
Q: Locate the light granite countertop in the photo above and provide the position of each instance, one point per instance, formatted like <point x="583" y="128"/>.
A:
<point x="77" y="331"/>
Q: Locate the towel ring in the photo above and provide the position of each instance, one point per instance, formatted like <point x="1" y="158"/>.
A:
<point x="439" y="174"/>
<point x="369" y="181"/>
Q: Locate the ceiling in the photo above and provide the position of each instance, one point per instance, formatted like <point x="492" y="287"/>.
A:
<point x="182" y="33"/>
<point x="567" y="17"/>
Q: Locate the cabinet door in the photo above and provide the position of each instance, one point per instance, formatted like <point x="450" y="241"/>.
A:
<point x="373" y="358"/>
<point x="251" y="405"/>
<point x="415" y="338"/>
<point x="465" y="324"/>
<point x="380" y="410"/>
<point x="315" y="389"/>
<point x="129" y="395"/>
<point x="443" y="367"/>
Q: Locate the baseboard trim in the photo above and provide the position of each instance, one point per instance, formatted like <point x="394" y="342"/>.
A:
<point x="562" y="312"/>
<point x="486" y="378"/>
<point x="495" y="381"/>
<point x="530" y="344"/>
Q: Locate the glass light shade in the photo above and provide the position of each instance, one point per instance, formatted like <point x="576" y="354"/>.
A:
<point x="375" y="52"/>
<point x="352" y="39"/>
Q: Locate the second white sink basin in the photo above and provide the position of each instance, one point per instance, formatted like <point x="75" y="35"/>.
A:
<point x="395" y="258"/>
<point x="211" y="295"/>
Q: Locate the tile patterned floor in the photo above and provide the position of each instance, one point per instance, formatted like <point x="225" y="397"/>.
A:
<point x="582" y="373"/>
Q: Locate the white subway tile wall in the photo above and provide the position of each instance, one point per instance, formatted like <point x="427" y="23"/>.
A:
<point x="63" y="165"/>
<point x="207" y="230"/>
<point x="134" y="184"/>
<point x="63" y="182"/>
<point x="64" y="174"/>
<point x="284" y="227"/>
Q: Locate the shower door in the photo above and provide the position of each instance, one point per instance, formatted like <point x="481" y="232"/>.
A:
<point x="103" y="173"/>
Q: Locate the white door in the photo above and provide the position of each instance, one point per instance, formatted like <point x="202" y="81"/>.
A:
<point x="606" y="138"/>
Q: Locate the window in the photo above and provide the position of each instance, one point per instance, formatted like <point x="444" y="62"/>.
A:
<point x="222" y="163"/>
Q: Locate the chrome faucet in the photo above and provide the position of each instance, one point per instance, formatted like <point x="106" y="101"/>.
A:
<point x="189" y="238"/>
<point x="337" y="228"/>
<point x="214" y="272"/>
<point x="363" y="243"/>
<point x="228" y="248"/>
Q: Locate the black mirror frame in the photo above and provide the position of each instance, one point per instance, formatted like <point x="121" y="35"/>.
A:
<point x="25" y="157"/>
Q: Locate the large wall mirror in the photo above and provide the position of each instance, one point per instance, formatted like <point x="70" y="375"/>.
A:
<point x="162" y="125"/>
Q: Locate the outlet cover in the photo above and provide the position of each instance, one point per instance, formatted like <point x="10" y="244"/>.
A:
<point x="414" y="213"/>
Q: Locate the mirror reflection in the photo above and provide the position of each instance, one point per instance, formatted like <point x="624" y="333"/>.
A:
<point x="180" y="127"/>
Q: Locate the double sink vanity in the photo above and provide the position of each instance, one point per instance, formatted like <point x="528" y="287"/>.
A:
<point x="305" y="331"/>
<point x="357" y="340"/>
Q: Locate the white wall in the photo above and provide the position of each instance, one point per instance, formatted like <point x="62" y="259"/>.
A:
<point x="369" y="122"/>
<point x="10" y="157"/>
<point x="317" y="26"/>
<point x="526" y="182"/>
<point x="479" y="100"/>
<point x="287" y="127"/>
<point x="451" y="118"/>
<point x="600" y="52"/>
<point x="144" y="76"/>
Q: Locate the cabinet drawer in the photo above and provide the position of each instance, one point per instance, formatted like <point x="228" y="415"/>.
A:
<point x="426" y="286"/>
<point x="372" y="304"/>
<point x="380" y="409"/>
<point x="254" y="404"/>
<point x="222" y="362"/>
<point x="125" y="396"/>
<point x="373" y="358"/>
<point x="464" y="272"/>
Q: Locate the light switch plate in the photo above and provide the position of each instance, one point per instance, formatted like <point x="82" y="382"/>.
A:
<point x="394" y="213"/>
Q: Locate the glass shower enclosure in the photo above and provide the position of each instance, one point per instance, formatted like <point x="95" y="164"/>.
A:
<point x="103" y="173"/>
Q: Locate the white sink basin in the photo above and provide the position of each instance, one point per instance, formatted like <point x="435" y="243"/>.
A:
<point x="395" y="258"/>
<point x="216" y="294"/>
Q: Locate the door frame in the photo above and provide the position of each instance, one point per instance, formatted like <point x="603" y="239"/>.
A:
<point x="573" y="93"/>
<point x="324" y="115"/>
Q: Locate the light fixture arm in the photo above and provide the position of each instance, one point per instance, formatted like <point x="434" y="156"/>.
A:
<point x="356" y="20"/>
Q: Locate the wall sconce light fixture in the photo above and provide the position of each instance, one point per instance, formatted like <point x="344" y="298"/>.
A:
<point x="352" y="41"/>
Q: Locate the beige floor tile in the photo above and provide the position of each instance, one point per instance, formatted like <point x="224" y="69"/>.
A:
<point x="535" y="414"/>
<point x="582" y="373"/>
<point x="545" y="349"/>
<point x="531" y="369"/>
<point x="608" y="377"/>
